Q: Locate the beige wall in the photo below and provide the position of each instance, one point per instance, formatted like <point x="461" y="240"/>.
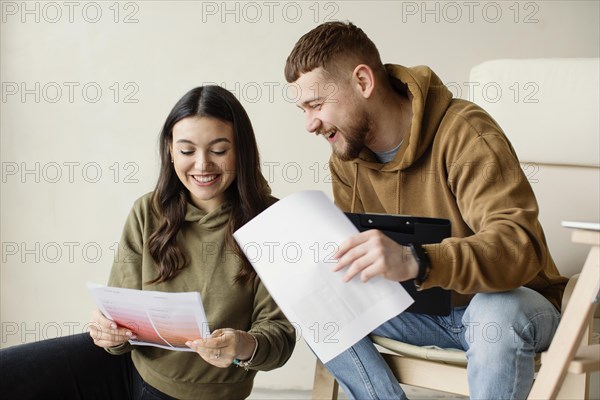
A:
<point x="87" y="85"/>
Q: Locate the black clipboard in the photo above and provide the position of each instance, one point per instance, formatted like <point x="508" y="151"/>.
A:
<point x="419" y="230"/>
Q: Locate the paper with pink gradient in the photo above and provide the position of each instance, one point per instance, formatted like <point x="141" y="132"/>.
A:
<point x="160" y="319"/>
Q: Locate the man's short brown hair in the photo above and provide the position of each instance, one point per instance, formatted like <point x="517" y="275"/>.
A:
<point x="337" y="47"/>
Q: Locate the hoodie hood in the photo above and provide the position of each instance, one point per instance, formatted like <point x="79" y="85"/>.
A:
<point x="430" y="99"/>
<point x="220" y="215"/>
<point x="211" y="220"/>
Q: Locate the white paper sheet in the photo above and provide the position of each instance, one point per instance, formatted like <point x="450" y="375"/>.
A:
<point x="587" y="225"/>
<point x="291" y="247"/>
<point x="160" y="319"/>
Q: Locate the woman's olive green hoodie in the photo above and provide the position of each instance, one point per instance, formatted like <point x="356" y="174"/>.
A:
<point x="211" y="270"/>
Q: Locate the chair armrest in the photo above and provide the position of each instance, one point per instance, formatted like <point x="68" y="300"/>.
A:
<point x="569" y="291"/>
<point x="595" y="328"/>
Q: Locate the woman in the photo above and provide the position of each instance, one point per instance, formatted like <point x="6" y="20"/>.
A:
<point x="178" y="238"/>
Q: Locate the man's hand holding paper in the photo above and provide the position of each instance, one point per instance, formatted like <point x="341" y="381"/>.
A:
<point x="371" y="253"/>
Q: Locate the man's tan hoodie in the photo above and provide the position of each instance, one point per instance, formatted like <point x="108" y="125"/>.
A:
<point x="456" y="163"/>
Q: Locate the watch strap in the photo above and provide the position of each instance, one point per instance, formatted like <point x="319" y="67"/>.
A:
<point x="422" y="259"/>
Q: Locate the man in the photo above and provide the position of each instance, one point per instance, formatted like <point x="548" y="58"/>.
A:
<point x="402" y="145"/>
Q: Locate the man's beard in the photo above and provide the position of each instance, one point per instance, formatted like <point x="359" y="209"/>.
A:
<point x="355" y="136"/>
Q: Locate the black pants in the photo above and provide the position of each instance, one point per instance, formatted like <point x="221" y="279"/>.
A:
<point x="70" y="367"/>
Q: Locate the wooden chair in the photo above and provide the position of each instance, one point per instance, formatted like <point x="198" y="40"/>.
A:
<point x="570" y="351"/>
<point x="566" y="185"/>
<point x="416" y="365"/>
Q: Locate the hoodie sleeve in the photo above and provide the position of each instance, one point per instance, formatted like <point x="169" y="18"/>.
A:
<point x="508" y="247"/>
<point x="275" y="335"/>
<point x="126" y="269"/>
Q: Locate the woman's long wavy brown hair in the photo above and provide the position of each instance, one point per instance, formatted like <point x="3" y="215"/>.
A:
<point x="248" y="193"/>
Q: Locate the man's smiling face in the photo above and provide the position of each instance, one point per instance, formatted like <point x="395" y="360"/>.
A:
<point x="335" y="111"/>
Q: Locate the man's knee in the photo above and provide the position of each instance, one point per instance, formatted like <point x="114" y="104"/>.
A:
<point x="509" y="318"/>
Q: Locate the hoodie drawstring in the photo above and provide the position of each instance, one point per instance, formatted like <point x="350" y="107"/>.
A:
<point x="398" y="192"/>
<point x="354" y="188"/>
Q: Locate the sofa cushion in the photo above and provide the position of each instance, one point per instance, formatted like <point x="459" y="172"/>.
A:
<point x="548" y="108"/>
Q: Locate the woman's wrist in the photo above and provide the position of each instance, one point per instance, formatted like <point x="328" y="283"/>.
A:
<point x="246" y="355"/>
<point x="246" y="346"/>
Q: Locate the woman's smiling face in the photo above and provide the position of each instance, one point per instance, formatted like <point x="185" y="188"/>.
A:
<point x="203" y="153"/>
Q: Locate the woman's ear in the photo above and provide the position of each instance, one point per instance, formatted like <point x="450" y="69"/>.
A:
<point x="364" y="80"/>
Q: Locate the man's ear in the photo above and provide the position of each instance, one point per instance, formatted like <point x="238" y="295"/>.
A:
<point x="364" y="80"/>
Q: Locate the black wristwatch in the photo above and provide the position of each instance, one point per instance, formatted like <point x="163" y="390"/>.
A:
<point x="422" y="259"/>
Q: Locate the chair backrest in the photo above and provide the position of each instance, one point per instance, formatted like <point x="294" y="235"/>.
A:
<point x="549" y="109"/>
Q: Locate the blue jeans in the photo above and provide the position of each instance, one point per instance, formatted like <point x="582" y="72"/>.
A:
<point x="500" y="332"/>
